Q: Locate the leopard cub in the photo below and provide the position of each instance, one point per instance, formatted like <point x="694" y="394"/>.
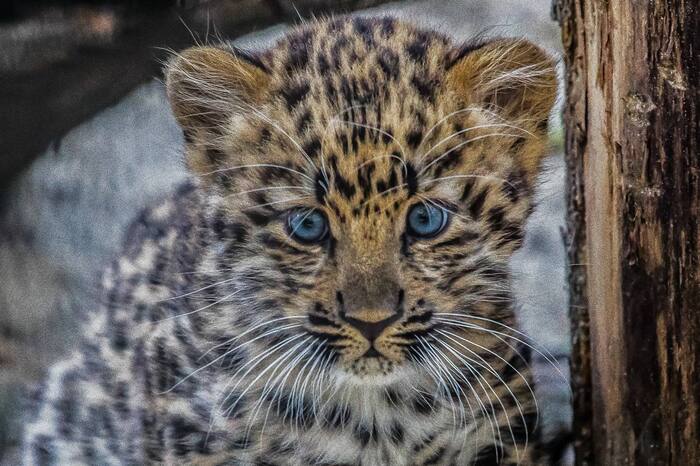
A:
<point x="332" y="285"/>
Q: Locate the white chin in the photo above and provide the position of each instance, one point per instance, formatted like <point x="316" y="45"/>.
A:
<point x="371" y="373"/>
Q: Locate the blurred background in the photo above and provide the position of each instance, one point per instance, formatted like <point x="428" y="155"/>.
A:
<point x="87" y="140"/>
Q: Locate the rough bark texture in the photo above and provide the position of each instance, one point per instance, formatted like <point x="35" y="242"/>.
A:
<point x="634" y="199"/>
<point x="43" y="97"/>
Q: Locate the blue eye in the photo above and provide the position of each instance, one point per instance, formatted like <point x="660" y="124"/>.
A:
<point x="426" y="220"/>
<point x="307" y="225"/>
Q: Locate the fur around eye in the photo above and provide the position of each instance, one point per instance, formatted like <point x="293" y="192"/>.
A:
<point x="307" y="226"/>
<point x="426" y="220"/>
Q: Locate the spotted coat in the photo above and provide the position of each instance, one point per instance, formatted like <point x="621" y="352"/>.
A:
<point x="225" y="340"/>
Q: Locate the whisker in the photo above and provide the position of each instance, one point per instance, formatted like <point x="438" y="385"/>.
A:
<point x="542" y="352"/>
<point x="228" y="352"/>
<point x="268" y="188"/>
<point x="493" y="372"/>
<point x="472" y="128"/>
<point x="480" y="177"/>
<point x="190" y="293"/>
<point x="491" y="416"/>
<point x="283" y="201"/>
<point x="262" y="373"/>
<point x="260" y="165"/>
<point x="460" y="145"/>
<point x="219" y="301"/>
<point x="374" y="128"/>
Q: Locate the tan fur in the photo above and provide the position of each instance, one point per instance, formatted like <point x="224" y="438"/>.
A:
<point x="360" y="120"/>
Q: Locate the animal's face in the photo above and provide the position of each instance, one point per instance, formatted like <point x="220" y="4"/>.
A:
<point x="374" y="180"/>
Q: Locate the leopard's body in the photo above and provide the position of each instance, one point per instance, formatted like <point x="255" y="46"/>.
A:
<point x="225" y="340"/>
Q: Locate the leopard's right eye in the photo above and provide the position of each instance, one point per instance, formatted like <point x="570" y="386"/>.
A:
<point x="307" y="225"/>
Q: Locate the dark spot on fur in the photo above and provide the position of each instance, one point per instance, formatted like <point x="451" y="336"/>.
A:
<point x="411" y="179"/>
<point x="424" y="87"/>
<point x="468" y="185"/>
<point x="320" y="189"/>
<point x="364" y="30"/>
<point x="387" y="26"/>
<point x="389" y="63"/>
<point x="336" y="50"/>
<point x="487" y="456"/>
<point x="414" y="138"/>
<point x="298" y="51"/>
<point x="417" y="49"/>
<point x="477" y="203"/>
<point x="304" y="121"/>
<point x="423" y="404"/>
<point x="322" y="65"/>
<point x="215" y="156"/>
<point x="362" y="434"/>
<point x="250" y="57"/>
<point x="495" y="219"/>
<point x="463" y="51"/>
<point x="294" y="94"/>
<point x="258" y="218"/>
<point x="312" y="147"/>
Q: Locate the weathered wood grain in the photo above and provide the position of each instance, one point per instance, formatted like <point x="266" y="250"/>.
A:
<point x="634" y="200"/>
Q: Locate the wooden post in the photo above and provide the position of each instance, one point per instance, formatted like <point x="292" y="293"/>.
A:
<point x="633" y="151"/>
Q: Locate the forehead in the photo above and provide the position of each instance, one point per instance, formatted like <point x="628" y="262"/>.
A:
<point x="346" y="83"/>
<point x="358" y="96"/>
<point x="358" y="106"/>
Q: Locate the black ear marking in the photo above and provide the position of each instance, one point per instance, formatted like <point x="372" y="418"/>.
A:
<point x="465" y="49"/>
<point x="250" y="57"/>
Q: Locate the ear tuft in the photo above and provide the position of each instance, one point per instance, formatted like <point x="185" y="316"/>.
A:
<point x="207" y="85"/>
<point x="515" y="77"/>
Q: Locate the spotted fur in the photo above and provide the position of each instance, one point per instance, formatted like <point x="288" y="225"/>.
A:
<point x="223" y="340"/>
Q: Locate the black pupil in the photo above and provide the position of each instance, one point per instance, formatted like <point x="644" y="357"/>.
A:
<point x="424" y="216"/>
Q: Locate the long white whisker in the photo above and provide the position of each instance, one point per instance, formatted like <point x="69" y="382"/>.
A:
<point x="449" y="334"/>
<point x="460" y="145"/>
<point x="190" y="293"/>
<point x="228" y="352"/>
<point x="260" y="165"/>
<point x="490" y="369"/>
<point x="262" y="373"/>
<point x="478" y="177"/>
<point x="292" y="199"/>
<point x="203" y="308"/>
<point x="380" y="131"/>
<point x="489" y="414"/>
<point x="472" y="128"/>
<point x="542" y="352"/>
<point x="261" y="324"/>
<point x="268" y="188"/>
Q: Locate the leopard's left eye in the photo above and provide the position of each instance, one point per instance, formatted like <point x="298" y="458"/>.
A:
<point x="307" y="225"/>
<point x="426" y="220"/>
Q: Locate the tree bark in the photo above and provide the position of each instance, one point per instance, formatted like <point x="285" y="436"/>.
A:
<point x="632" y="146"/>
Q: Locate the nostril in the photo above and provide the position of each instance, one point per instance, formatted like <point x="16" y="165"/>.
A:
<point x="370" y="330"/>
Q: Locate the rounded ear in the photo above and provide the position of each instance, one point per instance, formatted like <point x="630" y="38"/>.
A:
<point x="513" y="77"/>
<point x="208" y="85"/>
<point x="207" y="88"/>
